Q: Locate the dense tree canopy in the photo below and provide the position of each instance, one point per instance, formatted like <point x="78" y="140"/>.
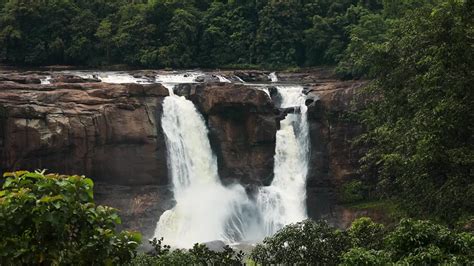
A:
<point x="420" y="123"/>
<point x="183" y="34"/>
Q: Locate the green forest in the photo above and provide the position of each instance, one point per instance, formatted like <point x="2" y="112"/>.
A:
<point x="199" y="33"/>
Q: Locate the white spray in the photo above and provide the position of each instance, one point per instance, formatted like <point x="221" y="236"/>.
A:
<point x="273" y="77"/>
<point x="205" y="210"/>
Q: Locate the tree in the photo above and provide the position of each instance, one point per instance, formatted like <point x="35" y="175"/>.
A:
<point x="423" y="242"/>
<point x="52" y="219"/>
<point x="302" y="243"/>
<point x="369" y="31"/>
<point x="228" y="33"/>
<point x="362" y="256"/>
<point x="104" y="33"/>
<point x="279" y="37"/>
<point x="420" y="123"/>
<point x="367" y="234"/>
<point x="180" y="49"/>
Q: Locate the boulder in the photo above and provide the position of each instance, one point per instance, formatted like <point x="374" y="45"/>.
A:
<point x="21" y="78"/>
<point x="253" y="75"/>
<point x="207" y="78"/>
<point x="64" y="78"/>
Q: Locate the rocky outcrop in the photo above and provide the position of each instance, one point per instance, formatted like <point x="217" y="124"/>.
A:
<point x="109" y="132"/>
<point x="309" y="76"/>
<point x="139" y="206"/>
<point x="24" y="78"/>
<point x="242" y="124"/>
<point x="62" y="78"/>
<point x="253" y="75"/>
<point x="334" y="159"/>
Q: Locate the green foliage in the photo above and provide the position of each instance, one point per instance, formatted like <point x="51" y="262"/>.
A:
<point x="366" y="243"/>
<point x="179" y="34"/>
<point x="411" y="242"/>
<point x="353" y="191"/>
<point x="366" y="234"/>
<point x="420" y="123"/>
<point x="414" y="242"/>
<point x="362" y="256"/>
<point x="203" y="33"/>
<point x="52" y="219"/>
<point x="198" y="255"/>
<point x="279" y="39"/>
<point x="423" y="242"/>
<point x="302" y="243"/>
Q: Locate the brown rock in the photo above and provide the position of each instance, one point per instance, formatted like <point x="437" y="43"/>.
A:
<point x="63" y="78"/>
<point x="110" y="132"/>
<point x="253" y="75"/>
<point x="20" y="78"/>
<point x="334" y="160"/>
<point x="242" y="122"/>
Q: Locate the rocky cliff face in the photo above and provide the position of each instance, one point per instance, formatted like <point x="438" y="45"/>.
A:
<point x="109" y="132"/>
<point x="334" y="159"/>
<point x="112" y="133"/>
<point x="242" y="121"/>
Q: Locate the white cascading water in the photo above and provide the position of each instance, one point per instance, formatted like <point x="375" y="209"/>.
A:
<point x="118" y="77"/>
<point x="284" y="201"/>
<point x="46" y="80"/>
<point x="223" y="79"/>
<point x="273" y="77"/>
<point x="205" y="210"/>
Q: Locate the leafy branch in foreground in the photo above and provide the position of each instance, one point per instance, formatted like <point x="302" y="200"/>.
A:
<point x="52" y="219"/>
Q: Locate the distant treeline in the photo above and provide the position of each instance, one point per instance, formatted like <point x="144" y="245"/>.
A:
<point x="192" y="33"/>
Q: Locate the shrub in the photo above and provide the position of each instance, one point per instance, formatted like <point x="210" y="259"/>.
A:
<point x="366" y="243"/>
<point x="353" y="191"/>
<point x="362" y="256"/>
<point x="423" y="242"/>
<point x="200" y="254"/>
<point x="365" y="233"/>
<point x="52" y="219"/>
<point x="302" y="243"/>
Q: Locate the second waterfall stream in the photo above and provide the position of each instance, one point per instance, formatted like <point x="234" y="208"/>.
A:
<point x="205" y="209"/>
<point x="284" y="201"/>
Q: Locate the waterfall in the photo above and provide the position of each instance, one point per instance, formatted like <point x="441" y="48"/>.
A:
<point x="205" y="210"/>
<point x="283" y="202"/>
<point x="117" y="77"/>
<point x="239" y="79"/>
<point x="46" y="80"/>
<point x="273" y="77"/>
<point x="223" y="79"/>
